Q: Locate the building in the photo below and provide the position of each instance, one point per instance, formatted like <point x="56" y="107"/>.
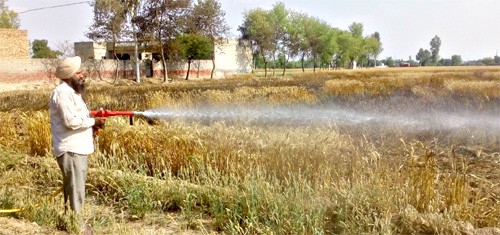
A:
<point x="231" y="57"/>
<point x="14" y="44"/>
<point x="91" y="50"/>
<point x="15" y="62"/>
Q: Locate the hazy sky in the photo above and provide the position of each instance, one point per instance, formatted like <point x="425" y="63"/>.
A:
<point x="466" y="27"/>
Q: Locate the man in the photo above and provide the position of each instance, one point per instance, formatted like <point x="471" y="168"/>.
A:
<point x="71" y="128"/>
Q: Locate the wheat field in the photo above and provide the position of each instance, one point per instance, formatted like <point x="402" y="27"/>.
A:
<point x="377" y="151"/>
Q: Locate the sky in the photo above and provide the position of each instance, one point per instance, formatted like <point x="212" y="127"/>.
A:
<point x="468" y="28"/>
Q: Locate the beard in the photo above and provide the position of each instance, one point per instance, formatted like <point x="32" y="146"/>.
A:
<point x="77" y="85"/>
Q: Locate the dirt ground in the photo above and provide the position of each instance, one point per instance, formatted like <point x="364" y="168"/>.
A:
<point x="5" y="87"/>
<point x="11" y="226"/>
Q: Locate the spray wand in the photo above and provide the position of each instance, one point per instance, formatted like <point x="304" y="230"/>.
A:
<point x="109" y="113"/>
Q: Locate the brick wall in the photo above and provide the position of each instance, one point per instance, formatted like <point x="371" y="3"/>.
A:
<point x="14" y="43"/>
<point x="25" y="70"/>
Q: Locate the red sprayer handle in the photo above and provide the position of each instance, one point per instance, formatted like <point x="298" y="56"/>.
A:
<point x="108" y="113"/>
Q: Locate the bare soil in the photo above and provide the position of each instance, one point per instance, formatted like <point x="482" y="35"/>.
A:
<point x="11" y="226"/>
<point x="5" y="87"/>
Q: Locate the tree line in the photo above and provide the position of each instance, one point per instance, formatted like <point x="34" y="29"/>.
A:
<point x="276" y="35"/>
<point x="9" y="19"/>
<point x="178" y="29"/>
<point x="280" y="35"/>
<point x="185" y="30"/>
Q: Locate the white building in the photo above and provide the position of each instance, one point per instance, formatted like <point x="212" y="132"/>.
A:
<point x="231" y="57"/>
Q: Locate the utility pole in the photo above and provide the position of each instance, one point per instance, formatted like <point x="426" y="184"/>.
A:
<point x="136" y="51"/>
<point x="136" y="46"/>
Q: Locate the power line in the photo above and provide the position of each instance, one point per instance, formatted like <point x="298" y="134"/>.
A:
<point x="57" y="6"/>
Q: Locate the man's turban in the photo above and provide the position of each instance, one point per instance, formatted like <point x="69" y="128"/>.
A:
<point x="68" y="67"/>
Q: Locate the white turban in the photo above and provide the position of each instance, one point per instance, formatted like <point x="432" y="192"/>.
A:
<point x="68" y="67"/>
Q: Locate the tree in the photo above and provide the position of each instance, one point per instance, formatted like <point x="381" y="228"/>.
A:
<point x="194" y="47"/>
<point x="207" y="19"/>
<point x="376" y="48"/>
<point x="356" y="29"/>
<point x="257" y="28"/>
<point x="113" y="21"/>
<point x="355" y="43"/>
<point x="424" y="57"/>
<point x="281" y="62"/>
<point x="488" y="61"/>
<point x="296" y="42"/>
<point x="321" y="41"/>
<point x="108" y="25"/>
<point x="389" y="61"/>
<point x="435" y="45"/>
<point x="278" y="18"/>
<point x="65" y="48"/>
<point x="372" y="47"/>
<point x="456" y="60"/>
<point x="8" y="19"/>
<point x="131" y="10"/>
<point x="258" y="60"/>
<point x="350" y="48"/>
<point x="42" y="50"/>
<point x="160" y="22"/>
<point x="109" y="21"/>
<point x="444" y="62"/>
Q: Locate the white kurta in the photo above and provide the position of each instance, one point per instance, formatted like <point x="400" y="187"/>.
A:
<point x="70" y="122"/>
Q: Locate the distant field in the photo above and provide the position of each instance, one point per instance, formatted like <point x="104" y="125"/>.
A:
<point x="394" y="150"/>
<point x="454" y="69"/>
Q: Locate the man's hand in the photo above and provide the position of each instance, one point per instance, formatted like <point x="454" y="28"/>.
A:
<point x="99" y="122"/>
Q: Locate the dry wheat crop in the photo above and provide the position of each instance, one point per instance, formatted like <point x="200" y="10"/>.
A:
<point x="370" y="151"/>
